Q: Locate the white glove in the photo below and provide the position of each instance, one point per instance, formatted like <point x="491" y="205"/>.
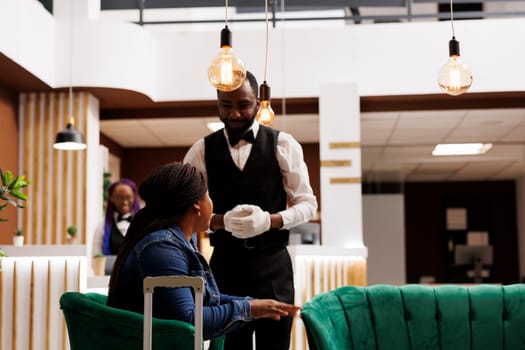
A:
<point x="246" y="220"/>
<point x="237" y="212"/>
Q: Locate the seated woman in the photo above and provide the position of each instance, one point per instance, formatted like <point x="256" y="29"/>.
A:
<point x="161" y="241"/>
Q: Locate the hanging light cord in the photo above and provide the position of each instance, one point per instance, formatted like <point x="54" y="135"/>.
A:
<point x="266" y="38"/>
<point x="226" y="14"/>
<point x="452" y="19"/>
<point x="71" y="63"/>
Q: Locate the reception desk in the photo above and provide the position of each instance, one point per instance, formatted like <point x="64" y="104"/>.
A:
<point x="34" y="277"/>
<point x="318" y="269"/>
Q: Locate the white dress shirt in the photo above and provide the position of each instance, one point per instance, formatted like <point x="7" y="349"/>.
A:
<point x="303" y="204"/>
<point x="98" y="237"/>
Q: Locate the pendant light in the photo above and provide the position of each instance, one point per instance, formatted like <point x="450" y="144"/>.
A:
<point x="226" y="71"/>
<point x="454" y="77"/>
<point x="265" y="114"/>
<point x="70" y="138"/>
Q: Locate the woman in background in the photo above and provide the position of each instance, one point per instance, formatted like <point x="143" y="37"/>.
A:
<point x="122" y="204"/>
<point x="161" y="241"/>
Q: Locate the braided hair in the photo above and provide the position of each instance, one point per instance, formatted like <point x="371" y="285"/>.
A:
<point x="168" y="192"/>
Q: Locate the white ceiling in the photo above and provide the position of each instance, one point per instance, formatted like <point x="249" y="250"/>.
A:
<point x="396" y="146"/>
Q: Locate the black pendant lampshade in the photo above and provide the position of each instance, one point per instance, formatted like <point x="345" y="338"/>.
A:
<point x="70" y="139"/>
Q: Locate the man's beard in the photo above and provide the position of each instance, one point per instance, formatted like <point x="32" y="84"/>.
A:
<point x="243" y="129"/>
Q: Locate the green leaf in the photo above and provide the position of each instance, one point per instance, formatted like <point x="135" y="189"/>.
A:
<point x="8" y="177"/>
<point x="22" y="184"/>
<point x="14" y="183"/>
<point x="10" y="190"/>
<point x="19" y="195"/>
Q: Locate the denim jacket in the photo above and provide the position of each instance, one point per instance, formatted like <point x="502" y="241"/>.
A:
<point x="165" y="253"/>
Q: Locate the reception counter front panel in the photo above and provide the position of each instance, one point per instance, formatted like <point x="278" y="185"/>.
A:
<point x="30" y="288"/>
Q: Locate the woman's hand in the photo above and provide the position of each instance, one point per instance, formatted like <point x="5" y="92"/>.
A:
<point x="269" y="308"/>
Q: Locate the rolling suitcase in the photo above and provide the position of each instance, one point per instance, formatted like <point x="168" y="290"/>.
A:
<point x="150" y="283"/>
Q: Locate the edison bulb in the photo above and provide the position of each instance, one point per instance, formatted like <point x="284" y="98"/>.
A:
<point x="226" y="71"/>
<point x="455" y="77"/>
<point x="265" y="114"/>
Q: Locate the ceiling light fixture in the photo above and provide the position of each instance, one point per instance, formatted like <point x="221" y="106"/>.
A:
<point x="70" y="139"/>
<point x="226" y="71"/>
<point x="461" y="149"/>
<point x="265" y="114"/>
<point x="454" y="77"/>
<point x="214" y="126"/>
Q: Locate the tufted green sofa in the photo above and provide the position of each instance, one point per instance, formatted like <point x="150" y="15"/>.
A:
<point x="93" y="325"/>
<point x="417" y="317"/>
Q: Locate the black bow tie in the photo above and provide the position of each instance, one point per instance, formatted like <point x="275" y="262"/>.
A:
<point x="121" y="218"/>
<point x="246" y="136"/>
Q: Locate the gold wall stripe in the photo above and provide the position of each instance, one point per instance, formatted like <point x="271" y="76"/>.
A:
<point x="56" y="184"/>
<point x="32" y="170"/>
<point x="339" y="267"/>
<point x="31" y="304"/>
<point x="48" y="304"/>
<point x="67" y="177"/>
<point x="322" y="280"/>
<point x="15" y="303"/>
<point x="344" y="180"/>
<point x="37" y="184"/>
<point x="338" y="145"/>
<point x="82" y="190"/>
<point x="47" y="145"/>
<point x="72" y="217"/>
<point x="336" y="163"/>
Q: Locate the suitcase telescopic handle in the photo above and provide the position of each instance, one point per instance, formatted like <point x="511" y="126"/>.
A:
<point x="150" y="283"/>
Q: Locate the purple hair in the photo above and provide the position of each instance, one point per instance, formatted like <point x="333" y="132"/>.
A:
<point x="110" y="209"/>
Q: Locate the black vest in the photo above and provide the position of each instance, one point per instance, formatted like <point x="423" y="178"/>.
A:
<point x="115" y="239"/>
<point x="259" y="183"/>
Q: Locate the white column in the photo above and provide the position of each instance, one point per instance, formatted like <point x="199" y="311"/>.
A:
<point x="340" y="153"/>
<point x="89" y="9"/>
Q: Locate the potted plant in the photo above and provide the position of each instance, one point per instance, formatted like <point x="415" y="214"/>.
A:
<point x="18" y="238"/>
<point x="72" y="234"/>
<point x="10" y="190"/>
<point x="99" y="264"/>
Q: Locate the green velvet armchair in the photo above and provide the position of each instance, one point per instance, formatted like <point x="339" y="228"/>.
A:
<point x="91" y="324"/>
<point x="417" y="317"/>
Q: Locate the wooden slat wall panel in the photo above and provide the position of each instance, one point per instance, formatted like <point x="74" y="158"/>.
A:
<point x="57" y="194"/>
